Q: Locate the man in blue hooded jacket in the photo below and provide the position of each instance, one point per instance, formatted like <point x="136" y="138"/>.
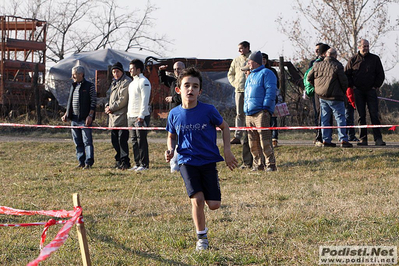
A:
<point x="259" y="103"/>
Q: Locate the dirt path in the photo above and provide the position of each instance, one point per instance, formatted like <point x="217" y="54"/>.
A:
<point x="7" y="138"/>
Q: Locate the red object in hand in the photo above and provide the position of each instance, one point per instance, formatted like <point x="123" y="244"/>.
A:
<point x="351" y="97"/>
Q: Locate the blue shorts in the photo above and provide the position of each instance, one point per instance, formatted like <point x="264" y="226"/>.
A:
<point x="202" y="178"/>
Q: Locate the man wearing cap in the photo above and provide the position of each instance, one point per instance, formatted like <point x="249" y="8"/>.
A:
<point x="259" y="103"/>
<point x="80" y="110"/>
<point x="116" y="108"/>
<point x="237" y="80"/>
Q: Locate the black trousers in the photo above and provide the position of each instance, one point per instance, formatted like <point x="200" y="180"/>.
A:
<point x="119" y="139"/>
<point x="367" y="98"/>
<point x="140" y="143"/>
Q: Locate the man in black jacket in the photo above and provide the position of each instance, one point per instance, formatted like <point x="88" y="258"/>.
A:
<point x="366" y="74"/>
<point x="81" y="111"/>
<point x="174" y="99"/>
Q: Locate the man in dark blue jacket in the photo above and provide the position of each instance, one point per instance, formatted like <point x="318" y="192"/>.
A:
<point x="80" y="110"/>
<point x="259" y="103"/>
<point x="366" y="74"/>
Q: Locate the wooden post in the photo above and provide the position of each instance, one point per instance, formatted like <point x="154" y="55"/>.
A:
<point x="84" y="247"/>
<point x="283" y="88"/>
<point x="37" y="94"/>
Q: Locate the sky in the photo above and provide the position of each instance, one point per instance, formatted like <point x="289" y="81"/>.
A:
<point x="213" y="28"/>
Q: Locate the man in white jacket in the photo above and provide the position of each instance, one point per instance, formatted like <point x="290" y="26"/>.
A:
<point x="138" y="114"/>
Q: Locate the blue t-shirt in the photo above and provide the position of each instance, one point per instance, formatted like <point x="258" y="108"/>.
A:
<point x="196" y="133"/>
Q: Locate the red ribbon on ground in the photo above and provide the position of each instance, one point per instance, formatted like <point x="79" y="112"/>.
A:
<point x="59" y="239"/>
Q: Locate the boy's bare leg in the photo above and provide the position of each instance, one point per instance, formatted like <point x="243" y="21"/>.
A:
<point x="198" y="204"/>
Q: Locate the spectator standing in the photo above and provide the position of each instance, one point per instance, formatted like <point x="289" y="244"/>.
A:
<point x="81" y="110"/>
<point x="330" y="83"/>
<point x="139" y="114"/>
<point x="237" y="79"/>
<point x="174" y="99"/>
<point x="259" y="104"/>
<point x="116" y="108"/>
<point x="366" y="74"/>
<point x="198" y="152"/>
<point x="321" y="50"/>
<point x="279" y="99"/>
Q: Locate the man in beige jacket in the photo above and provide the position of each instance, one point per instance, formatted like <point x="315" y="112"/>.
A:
<point x="116" y="109"/>
<point x="237" y="79"/>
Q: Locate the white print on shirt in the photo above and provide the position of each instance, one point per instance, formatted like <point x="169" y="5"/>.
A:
<point x="191" y="127"/>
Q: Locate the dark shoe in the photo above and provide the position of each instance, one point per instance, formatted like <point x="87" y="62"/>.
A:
<point x="353" y="139"/>
<point x="80" y="166"/>
<point x="380" y="142"/>
<point x="329" y="144"/>
<point x="87" y="167"/>
<point x="363" y="142"/>
<point x="124" y="166"/>
<point x="235" y="141"/>
<point x="345" y="144"/>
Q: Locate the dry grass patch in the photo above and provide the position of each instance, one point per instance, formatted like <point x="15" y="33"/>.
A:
<point x="318" y="197"/>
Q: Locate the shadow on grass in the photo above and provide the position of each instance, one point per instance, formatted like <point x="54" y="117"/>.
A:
<point x="109" y="240"/>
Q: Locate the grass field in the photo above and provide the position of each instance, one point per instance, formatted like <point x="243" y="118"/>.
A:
<point x="318" y="196"/>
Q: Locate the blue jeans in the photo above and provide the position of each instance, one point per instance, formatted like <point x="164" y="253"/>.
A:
<point x="82" y="137"/>
<point x="337" y="108"/>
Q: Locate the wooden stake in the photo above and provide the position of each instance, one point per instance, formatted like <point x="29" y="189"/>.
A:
<point x="84" y="247"/>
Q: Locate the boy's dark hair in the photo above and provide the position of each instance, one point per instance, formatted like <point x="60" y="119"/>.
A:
<point x="138" y="64"/>
<point x="189" y="72"/>
<point x="245" y="44"/>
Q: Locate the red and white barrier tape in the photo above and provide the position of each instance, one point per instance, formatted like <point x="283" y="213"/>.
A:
<point x="391" y="127"/>
<point x="59" y="239"/>
<point x="53" y="213"/>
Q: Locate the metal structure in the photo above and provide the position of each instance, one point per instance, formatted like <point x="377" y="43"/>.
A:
<point x="22" y="60"/>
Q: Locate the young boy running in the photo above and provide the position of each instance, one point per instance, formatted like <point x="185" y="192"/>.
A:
<point x="193" y="126"/>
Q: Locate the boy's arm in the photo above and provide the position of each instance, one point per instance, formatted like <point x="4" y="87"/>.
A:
<point x="171" y="141"/>
<point x="229" y="158"/>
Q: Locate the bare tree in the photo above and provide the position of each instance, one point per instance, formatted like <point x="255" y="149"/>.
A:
<point x="340" y="23"/>
<point x="126" y="30"/>
<point x="87" y="25"/>
<point x="65" y="25"/>
<point x="139" y="39"/>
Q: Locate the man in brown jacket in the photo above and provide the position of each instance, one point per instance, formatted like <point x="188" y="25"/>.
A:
<point x="330" y="83"/>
